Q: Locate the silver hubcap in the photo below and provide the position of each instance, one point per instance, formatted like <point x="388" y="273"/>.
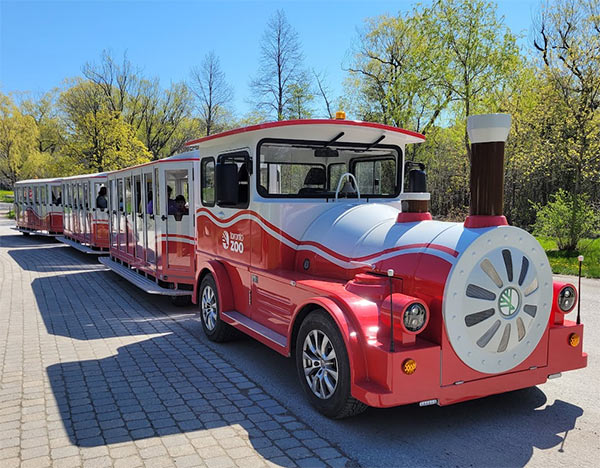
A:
<point x="209" y="308"/>
<point x="320" y="364"/>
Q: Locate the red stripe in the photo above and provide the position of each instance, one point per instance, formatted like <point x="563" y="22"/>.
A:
<point x="287" y="123"/>
<point x="178" y="235"/>
<point x="441" y="248"/>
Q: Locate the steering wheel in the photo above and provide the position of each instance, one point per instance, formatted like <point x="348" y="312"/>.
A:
<point x="350" y="175"/>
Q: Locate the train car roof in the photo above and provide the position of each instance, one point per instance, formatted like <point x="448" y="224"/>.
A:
<point x="95" y="175"/>
<point x="55" y="180"/>
<point x="314" y="129"/>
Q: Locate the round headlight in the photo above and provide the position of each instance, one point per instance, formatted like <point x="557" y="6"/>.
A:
<point x="415" y="317"/>
<point x="566" y="298"/>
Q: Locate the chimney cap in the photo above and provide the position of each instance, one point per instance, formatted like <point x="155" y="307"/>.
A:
<point x="487" y="128"/>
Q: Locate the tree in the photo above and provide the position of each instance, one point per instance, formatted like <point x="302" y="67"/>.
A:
<point x="153" y="113"/>
<point x="396" y="73"/>
<point x="18" y="141"/>
<point x="212" y="92"/>
<point x="280" y="66"/>
<point x="300" y="99"/>
<point x="568" y="39"/>
<point x="480" y="53"/>
<point x="43" y="109"/>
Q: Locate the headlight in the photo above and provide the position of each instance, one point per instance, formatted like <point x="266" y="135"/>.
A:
<point x="415" y="317"/>
<point x="566" y="298"/>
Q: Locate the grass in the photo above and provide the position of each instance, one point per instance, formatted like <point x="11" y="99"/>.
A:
<point x="10" y="214"/>
<point x="7" y="196"/>
<point x="565" y="263"/>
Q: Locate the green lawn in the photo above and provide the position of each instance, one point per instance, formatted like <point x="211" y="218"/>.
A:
<point x="565" y="263"/>
<point x="7" y="196"/>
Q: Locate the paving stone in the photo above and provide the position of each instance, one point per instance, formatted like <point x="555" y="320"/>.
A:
<point x="86" y="381"/>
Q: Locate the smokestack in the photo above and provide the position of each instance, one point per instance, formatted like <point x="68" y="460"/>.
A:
<point x="488" y="135"/>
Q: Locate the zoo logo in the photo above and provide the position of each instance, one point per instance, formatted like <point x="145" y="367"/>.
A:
<point x="233" y="241"/>
<point x="225" y="240"/>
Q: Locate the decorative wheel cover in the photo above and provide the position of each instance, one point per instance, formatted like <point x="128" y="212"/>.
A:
<point x="320" y="365"/>
<point x="497" y="300"/>
<point x="209" y="308"/>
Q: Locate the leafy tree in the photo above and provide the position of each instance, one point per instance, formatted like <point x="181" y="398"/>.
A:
<point x="280" y="66"/>
<point x="396" y="72"/>
<point x="480" y="52"/>
<point x="43" y="108"/>
<point x="212" y="92"/>
<point x="105" y="142"/>
<point x="301" y="97"/>
<point x="556" y="219"/>
<point x="18" y="141"/>
<point x="568" y="39"/>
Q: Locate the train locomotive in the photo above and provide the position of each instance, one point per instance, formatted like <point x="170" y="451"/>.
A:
<point x="315" y="238"/>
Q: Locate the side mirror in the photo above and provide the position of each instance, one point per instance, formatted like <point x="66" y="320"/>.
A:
<point x="227" y="183"/>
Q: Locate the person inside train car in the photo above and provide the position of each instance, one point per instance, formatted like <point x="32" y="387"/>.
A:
<point x="180" y="207"/>
<point x="150" y="205"/>
<point x="101" y="201"/>
<point x="171" y="204"/>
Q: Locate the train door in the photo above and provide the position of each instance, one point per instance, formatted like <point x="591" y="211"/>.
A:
<point x="113" y="207"/>
<point x="122" y="231"/>
<point x="43" y="189"/>
<point x="86" y="212"/>
<point x="129" y="213"/>
<point x="179" y="222"/>
<point x="149" y="219"/>
<point x="138" y="218"/>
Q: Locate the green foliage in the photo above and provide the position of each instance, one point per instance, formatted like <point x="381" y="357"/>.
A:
<point x="567" y="219"/>
<point x="7" y="196"/>
<point x="564" y="262"/>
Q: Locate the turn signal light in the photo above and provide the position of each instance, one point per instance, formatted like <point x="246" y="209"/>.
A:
<point x="574" y="340"/>
<point x="409" y="366"/>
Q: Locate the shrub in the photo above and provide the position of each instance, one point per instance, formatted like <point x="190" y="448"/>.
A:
<point x="567" y="218"/>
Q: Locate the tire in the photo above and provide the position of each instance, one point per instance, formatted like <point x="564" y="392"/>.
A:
<point x="329" y="396"/>
<point x="210" y="311"/>
<point x="25" y="233"/>
<point x="181" y="301"/>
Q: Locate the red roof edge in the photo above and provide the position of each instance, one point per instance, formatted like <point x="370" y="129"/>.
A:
<point x="286" y="123"/>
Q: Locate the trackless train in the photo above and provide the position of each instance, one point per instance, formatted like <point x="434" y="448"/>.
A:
<point x="315" y="238"/>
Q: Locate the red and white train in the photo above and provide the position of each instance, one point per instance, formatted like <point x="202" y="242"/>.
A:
<point x="315" y="238"/>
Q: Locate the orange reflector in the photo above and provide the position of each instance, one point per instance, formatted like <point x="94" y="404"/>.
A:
<point x="409" y="366"/>
<point x="340" y="115"/>
<point x="574" y="339"/>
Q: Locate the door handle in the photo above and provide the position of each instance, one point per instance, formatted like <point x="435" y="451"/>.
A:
<point x="140" y="215"/>
<point x="163" y="217"/>
<point x="151" y="216"/>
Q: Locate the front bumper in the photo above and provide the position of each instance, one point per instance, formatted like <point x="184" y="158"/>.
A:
<point x="389" y="386"/>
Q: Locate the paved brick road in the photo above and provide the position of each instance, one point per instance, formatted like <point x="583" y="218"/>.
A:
<point x="94" y="373"/>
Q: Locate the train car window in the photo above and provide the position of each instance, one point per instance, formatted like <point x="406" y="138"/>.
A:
<point x="307" y="169"/>
<point x="43" y="189"/>
<point x="376" y="176"/>
<point x="138" y="194"/>
<point x="56" y="192"/>
<point x="177" y="193"/>
<point x="120" y="192"/>
<point x="85" y="195"/>
<point x="101" y="196"/>
<point x="208" y="182"/>
<point x="149" y="194"/>
<point x="128" y="198"/>
<point x="232" y="174"/>
<point x="156" y="204"/>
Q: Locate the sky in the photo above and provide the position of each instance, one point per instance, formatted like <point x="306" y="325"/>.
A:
<point x="44" y="42"/>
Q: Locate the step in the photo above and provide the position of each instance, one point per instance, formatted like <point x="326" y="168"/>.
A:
<point x="82" y="248"/>
<point x="33" y="232"/>
<point x="140" y="281"/>
<point x="256" y="327"/>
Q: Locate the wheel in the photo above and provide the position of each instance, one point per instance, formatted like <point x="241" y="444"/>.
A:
<point x="323" y="367"/>
<point x="25" y="233"/>
<point x="181" y="301"/>
<point x="214" y="328"/>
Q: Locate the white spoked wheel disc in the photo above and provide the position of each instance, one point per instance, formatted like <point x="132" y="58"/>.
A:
<point x="497" y="300"/>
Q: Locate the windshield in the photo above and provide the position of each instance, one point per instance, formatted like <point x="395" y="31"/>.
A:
<point x="307" y="170"/>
